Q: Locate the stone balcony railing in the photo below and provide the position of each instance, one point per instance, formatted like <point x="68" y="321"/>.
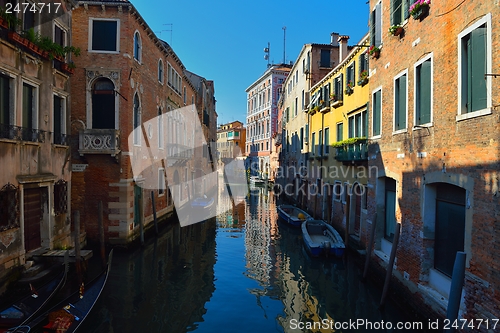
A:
<point x="99" y="141"/>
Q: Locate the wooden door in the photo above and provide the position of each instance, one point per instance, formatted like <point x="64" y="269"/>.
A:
<point x="32" y="218"/>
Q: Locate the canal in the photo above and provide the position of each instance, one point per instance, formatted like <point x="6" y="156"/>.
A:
<point x="243" y="271"/>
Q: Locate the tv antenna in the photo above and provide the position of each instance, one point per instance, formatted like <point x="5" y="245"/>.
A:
<point x="168" y="30"/>
<point x="267" y="51"/>
<point x="284" y="44"/>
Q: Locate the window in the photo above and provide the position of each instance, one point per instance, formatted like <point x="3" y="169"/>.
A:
<point x="337" y="190"/>
<point x="340" y="132"/>
<point x="137" y="120"/>
<point x="302" y="138"/>
<point x="160" y="129"/>
<point x="137" y="47"/>
<point x="399" y="11"/>
<point x="450" y="226"/>
<point x="350" y="76"/>
<point x="9" y="207"/>
<point x="306" y="134"/>
<point x="28" y="15"/>
<point x="104" y="35"/>
<point x="29" y="112"/>
<point x="184" y="94"/>
<point x="59" y="35"/>
<point x="60" y="197"/>
<point x="160" y="71"/>
<point x="313" y="141"/>
<point x="325" y="58"/>
<point x="376" y="25"/>
<point x="400" y="102"/>
<point x="326" y="149"/>
<point x="475" y="61"/>
<point x="59" y="118"/>
<point x="423" y="92"/>
<point x="357" y="125"/>
<point x="377" y="113"/>
<point x="161" y="182"/>
<point x="6" y="110"/>
<point x="390" y="209"/>
<point x="103" y="104"/>
<point x="320" y="143"/>
<point x="363" y="64"/>
<point x="338" y="87"/>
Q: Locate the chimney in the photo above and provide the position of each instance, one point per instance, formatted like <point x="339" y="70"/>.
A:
<point x="343" y="47"/>
<point x="334" y="39"/>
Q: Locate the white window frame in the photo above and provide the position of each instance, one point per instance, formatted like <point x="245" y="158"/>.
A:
<point x="486" y="19"/>
<point x="91" y="27"/>
<point x="13" y="94"/>
<point x="420" y="62"/>
<point x="404" y="130"/>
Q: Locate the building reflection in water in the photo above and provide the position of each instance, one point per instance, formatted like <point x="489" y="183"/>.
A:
<point x="161" y="288"/>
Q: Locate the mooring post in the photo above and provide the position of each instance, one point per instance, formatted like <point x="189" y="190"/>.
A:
<point x="391" y="263"/>
<point x="457" y="283"/>
<point x="154" y="211"/>
<point x="370" y="246"/>
<point x="347" y="218"/>
<point x="76" y="221"/>
<point x="101" y="233"/>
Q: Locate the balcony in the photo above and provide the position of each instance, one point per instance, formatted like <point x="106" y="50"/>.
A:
<point x="353" y="152"/>
<point x="12" y="132"/>
<point x="99" y="141"/>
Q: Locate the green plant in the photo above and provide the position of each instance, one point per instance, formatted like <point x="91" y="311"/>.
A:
<point x="364" y="74"/>
<point x="373" y="50"/>
<point x="333" y="97"/>
<point x="350" y="84"/>
<point x="349" y="141"/>
<point x="393" y="29"/>
<point x="11" y="19"/>
<point x="71" y="49"/>
<point x="71" y="65"/>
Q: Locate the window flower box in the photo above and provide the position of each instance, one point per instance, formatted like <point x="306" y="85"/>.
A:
<point x="420" y="9"/>
<point x="68" y="68"/>
<point x="374" y="52"/>
<point x="363" y="77"/>
<point x="396" y="30"/>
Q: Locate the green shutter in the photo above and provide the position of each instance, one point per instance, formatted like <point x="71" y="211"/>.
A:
<point x="477" y="61"/>
<point x="372" y="27"/>
<point x="57" y="115"/>
<point x="424" y="93"/>
<point x="401" y="102"/>
<point x="27" y="106"/>
<point x="376" y="113"/>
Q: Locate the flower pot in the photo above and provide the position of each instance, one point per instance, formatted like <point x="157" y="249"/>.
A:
<point x="3" y="23"/>
<point x="363" y="81"/>
<point x="421" y="12"/>
<point x="375" y="54"/>
<point x="65" y="67"/>
<point x="349" y="90"/>
<point x="398" y="31"/>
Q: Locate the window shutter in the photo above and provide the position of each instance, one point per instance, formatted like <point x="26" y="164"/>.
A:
<point x="372" y="27"/>
<point x="376" y="113"/>
<point x="406" y="9"/>
<point x="402" y="103"/>
<point x="424" y="91"/>
<point x="477" y="61"/>
<point x="341" y="87"/>
<point x="378" y="25"/>
<point x="392" y="11"/>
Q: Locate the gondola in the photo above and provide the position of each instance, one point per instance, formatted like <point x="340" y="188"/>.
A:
<point x="28" y="307"/>
<point x="68" y="315"/>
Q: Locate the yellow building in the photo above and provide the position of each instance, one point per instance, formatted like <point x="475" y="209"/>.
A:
<point x="338" y="168"/>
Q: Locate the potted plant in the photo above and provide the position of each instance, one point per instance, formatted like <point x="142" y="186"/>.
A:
<point x="333" y="97"/>
<point x="8" y="20"/>
<point x="374" y="51"/>
<point x="363" y="77"/>
<point x="396" y="30"/>
<point x="68" y="67"/>
<point x="420" y="9"/>
<point x="349" y="87"/>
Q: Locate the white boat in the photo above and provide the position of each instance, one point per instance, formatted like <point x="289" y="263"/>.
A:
<point x="293" y="215"/>
<point x="321" y="238"/>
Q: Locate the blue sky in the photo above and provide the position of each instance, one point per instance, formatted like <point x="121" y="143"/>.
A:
<point x="224" y="41"/>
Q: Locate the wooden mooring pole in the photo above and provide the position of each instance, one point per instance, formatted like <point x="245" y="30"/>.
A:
<point x="391" y="264"/>
<point x="154" y="211"/>
<point x="101" y="233"/>
<point x="78" y="264"/>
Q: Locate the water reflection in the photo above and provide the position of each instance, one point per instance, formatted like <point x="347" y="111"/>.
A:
<point x="244" y="272"/>
<point x="161" y="288"/>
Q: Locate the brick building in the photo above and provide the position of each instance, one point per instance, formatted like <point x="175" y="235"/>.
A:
<point x="35" y="181"/>
<point x="126" y="78"/>
<point x="435" y="130"/>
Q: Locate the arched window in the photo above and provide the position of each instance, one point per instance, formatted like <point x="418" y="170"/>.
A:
<point x="103" y="104"/>
<point x="137" y="120"/>
<point x="137" y="47"/>
<point x="160" y="71"/>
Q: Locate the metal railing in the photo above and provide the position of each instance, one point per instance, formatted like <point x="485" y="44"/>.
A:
<point x="353" y="152"/>
<point x="21" y="133"/>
